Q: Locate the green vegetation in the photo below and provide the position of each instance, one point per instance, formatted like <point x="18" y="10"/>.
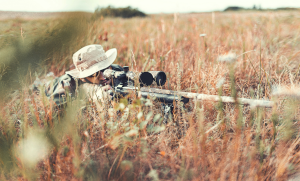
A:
<point x="127" y="12"/>
<point x="234" y="8"/>
<point x="254" y="8"/>
<point x="122" y="141"/>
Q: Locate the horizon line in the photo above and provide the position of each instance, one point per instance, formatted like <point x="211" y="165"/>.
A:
<point x="209" y="11"/>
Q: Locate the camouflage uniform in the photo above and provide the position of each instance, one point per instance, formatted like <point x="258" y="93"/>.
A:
<point x="87" y="61"/>
<point x="57" y="89"/>
<point x="66" y="85"/>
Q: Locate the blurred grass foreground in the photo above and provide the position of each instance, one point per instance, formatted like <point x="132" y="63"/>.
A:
<point x="27" y="46"/>
<point x="239" y="54"/>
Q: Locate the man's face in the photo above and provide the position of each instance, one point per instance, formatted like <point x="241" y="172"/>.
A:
<point x="98" y="78"/>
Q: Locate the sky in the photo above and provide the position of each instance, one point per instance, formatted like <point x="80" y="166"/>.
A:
<point x="147" y="6"/>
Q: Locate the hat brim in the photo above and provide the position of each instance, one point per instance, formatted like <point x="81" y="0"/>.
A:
<point x="111" y="56"/>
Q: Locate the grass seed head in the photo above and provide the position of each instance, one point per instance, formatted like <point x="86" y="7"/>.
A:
<point x="228" y="58"/>
<point x="220" y="82"/>
<point x="32" y="149"/>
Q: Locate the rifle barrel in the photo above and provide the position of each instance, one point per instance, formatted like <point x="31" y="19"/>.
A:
<point x="216" y="98"/>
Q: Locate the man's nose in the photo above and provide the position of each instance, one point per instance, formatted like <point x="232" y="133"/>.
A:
<point x="101" y="78"/>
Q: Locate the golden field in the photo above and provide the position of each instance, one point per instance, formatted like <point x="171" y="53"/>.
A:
<point x="244" y="54"/>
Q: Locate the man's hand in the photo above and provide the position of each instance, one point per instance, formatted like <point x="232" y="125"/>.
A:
<point x="106" y="87"/>
<point x="97" y="92"/>
<point x="106" y="92"/>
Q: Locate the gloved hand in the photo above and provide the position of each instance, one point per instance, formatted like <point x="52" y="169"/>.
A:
<point x="97" y="93"/>
<point x="102" y="93"/>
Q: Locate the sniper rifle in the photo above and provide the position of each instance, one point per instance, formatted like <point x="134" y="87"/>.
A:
<point x="123" y="84"/>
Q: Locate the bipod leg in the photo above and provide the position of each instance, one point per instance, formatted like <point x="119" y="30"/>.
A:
<point x="166" y="111"/>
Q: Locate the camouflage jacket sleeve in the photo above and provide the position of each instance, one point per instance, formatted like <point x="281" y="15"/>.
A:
<point x="61" y="87"/>
<point x="65" y="87"/>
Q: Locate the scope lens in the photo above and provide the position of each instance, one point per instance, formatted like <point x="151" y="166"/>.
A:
<point x="146" y="78"/>
<point x="161" y="78"/>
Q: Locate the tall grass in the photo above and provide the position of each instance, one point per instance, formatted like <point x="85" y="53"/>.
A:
<point x="203" y="140"/>
<point x="24" y="51"/>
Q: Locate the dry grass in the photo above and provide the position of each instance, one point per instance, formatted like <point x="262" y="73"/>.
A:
<point x="132" y="143"/>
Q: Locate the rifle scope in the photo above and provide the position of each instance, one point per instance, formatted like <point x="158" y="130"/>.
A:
<point x="159" y="77"/>
<point x="145" y="78"/>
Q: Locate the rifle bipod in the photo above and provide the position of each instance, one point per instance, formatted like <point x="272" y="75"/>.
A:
<point x="167" y="110"/>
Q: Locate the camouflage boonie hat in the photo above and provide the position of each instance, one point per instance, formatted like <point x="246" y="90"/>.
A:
<point x="91" y="59"/>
